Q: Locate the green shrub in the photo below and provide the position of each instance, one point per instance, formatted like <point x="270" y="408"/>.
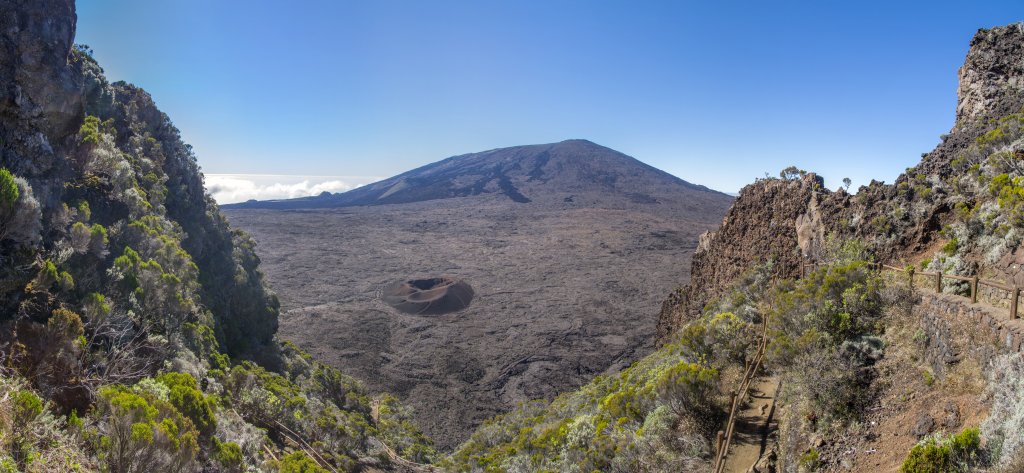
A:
<point x="89" y="133"/>
<point x="138" y="432"/>
<point x="27" y="406"/>
<point x="47" y="276"/>
<point x="833" y="304"/>
<point x="950" y="247"/>
<point x="228" y="454"/>
<point x="65" y="323"/>
<point x="298" y="462"/>
<point x="202" y="341"/>
<point x="821" y="329"/>
<point x="84" y="212"/>
<point x="1009" y="192"/>
<point x="186" y="397"/>
<point x="98" y="232"/>
<point x="956" y="453"/>
<point x="74" y="422"/>
<point x="929" y="378"/>
<point x="809" y="460"/>
<point x="8" y="193"/>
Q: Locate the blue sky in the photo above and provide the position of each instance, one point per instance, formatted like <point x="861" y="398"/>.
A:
<point x="717" y="93"/>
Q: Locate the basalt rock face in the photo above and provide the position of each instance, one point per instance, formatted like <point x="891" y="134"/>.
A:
<point x="787" y="221"/>
<point x="41" y="101"/>
<point x="37" y="82"/>
<point x="992" y="77"/>
<point x="752" y="232"/>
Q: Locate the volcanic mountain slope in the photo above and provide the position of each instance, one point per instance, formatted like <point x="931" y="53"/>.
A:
<point x="568" y="247"/>
<point x="573" y="171"/>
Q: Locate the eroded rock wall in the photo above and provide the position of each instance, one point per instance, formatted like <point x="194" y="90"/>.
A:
<point x="787" y="221"/>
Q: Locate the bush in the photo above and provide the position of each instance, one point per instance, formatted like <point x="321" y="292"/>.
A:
<point x="298" y="462"/>
<point x="820" y="337"/>
<point x="829" y="306"/>
<point x="27" y="406"/>
<point x="19" y="210"/>
<point x="8" y="193"/>
<point x="89" y="132"/>
<point x="186" y="397"/>
<point x="809" y="460"/>
<point x="66" y="324"/>
<point x="1009" y="192"/>
<point x="1004" y="427"/>
<point x="956" y="453"/>
<point x="229" y="455"/>
<point x="32" y="439"/>
<point x="138" y="432"/>
<point x="92" y="239"/>
<point x="950" y="247"/>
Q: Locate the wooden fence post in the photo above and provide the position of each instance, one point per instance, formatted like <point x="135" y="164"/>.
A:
<point x="1013" y="302"/>
<point x="911" y="273"/>
<point x="938" y="281"/>
<point x="974" y="290"/>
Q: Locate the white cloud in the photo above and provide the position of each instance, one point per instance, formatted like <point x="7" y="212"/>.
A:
<point x="231" y="188"/>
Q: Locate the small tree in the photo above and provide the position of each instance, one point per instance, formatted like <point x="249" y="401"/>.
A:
<point x="792" y="173"/>
<point x="846" y="183"/>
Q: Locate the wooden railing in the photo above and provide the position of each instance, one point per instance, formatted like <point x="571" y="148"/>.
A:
<point x="725" y="437"/>
<point x="938" y="276"/>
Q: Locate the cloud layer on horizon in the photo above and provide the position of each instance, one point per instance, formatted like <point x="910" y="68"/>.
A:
<point x="231" y="188"/>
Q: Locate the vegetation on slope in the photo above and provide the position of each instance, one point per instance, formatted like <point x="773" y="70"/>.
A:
<point x="136" y="333"/>
<point x="662" y="413"/>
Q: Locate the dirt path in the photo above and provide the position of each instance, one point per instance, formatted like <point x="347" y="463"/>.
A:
<point x="753" y="425"/>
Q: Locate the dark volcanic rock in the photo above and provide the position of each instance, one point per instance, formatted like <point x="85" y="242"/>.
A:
<point x="992" y="77"/>
<point x="752" y="233"/>
<point x="37" y="37"/>
<point x="566" y="285"/>
<point x="787" y="221"/>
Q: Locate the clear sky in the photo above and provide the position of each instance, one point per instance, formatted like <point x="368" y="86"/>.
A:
<point x="325" y="94"/>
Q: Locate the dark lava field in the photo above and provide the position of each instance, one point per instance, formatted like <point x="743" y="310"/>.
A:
<point x="567" y="251"/>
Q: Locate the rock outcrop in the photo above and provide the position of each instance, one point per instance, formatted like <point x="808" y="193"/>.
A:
<point x="992" y="77"/>
<point x="765" y="224"/>
<point x="786" y="221"/>
<point x="38" y="84"/>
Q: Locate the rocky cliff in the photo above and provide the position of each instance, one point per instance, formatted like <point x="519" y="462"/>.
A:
<point x="136" y="333"/>
<point x="786" y="221"/>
